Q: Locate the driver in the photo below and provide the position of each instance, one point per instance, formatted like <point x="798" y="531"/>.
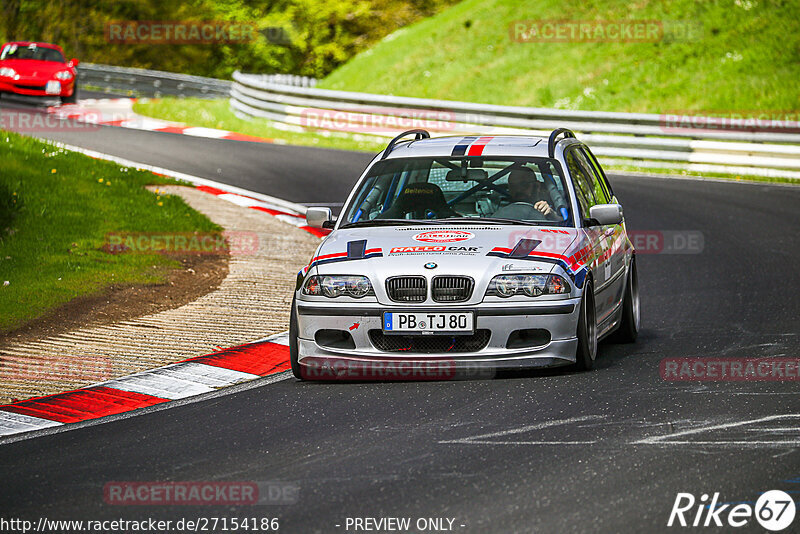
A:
<point x="527" y="197"/>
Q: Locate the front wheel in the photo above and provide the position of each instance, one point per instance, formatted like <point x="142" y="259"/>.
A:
<point x="587" y="332"/>
<point x="73" y="98"/>
<point x="293" y="343"/>
<point x="628" y="329"/>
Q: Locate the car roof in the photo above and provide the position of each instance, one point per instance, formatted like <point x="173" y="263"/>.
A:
<point x="37" y="43"/>
<point x="459" y="145"/>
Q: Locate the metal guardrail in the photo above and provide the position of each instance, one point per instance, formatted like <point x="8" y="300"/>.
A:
<point x="157" y="83"/>
<point x="149" y="83"/>
<point x="639" y="139"/>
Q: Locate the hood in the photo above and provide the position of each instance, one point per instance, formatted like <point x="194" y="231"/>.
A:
<point x="480" y="252"/>
<point x="33" y="68"/>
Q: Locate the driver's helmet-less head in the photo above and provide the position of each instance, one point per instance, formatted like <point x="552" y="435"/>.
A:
<point x="524" y="186"/>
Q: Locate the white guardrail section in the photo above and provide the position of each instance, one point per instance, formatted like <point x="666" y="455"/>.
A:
<point x="769" y="148"/>
<point x="158" y="83"/>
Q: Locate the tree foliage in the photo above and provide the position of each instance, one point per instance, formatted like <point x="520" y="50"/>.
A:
<point x="307" y="37"/>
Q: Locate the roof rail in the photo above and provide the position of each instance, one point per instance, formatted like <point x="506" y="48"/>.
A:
<point x="551" y="143"/>
<point x="418" y="134"/>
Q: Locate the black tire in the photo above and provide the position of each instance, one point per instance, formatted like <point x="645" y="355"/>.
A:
<point x="628" y="329"/>
<point x="293" y="343"/>
<point x="586" y="353"/>
<point x="73" y="98"/>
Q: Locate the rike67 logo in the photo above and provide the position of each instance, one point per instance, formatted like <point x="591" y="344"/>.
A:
<point x="774" y="510"/>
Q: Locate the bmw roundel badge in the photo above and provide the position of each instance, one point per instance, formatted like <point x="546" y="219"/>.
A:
<point x="430" y="265"/>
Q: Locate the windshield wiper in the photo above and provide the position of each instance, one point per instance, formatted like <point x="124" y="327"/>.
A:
<point x="386" y="222"/>
<point x="491" y="220"/>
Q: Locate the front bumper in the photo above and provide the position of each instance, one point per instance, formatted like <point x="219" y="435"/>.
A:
<point x="366" y="361"/>
<point x="35" y="88"/>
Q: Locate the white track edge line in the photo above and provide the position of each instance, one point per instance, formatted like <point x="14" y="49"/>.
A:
<point x="196" y="180"/>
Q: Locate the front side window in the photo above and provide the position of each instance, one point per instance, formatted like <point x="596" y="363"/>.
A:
<point x="526" y="190"/>
<point x="583" y="183"/>
<point x="595" y="179"/>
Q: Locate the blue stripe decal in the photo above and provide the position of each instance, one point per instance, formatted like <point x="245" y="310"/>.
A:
<point x="462" y="146"/>
<point x="580" y="278"/>
<point x="561" y="263"/>
<point x="344" y="258"/>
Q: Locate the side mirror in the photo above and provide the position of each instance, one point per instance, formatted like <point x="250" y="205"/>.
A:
<point x="74" y="62"/>
<point x="319" y="217"/>
<point x="606" y="213"/>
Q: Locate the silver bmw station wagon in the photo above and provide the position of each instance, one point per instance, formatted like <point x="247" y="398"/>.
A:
<point x="455" y="254"/>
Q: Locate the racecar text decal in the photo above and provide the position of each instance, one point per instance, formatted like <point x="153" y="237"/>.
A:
<point x="443" y="236"/>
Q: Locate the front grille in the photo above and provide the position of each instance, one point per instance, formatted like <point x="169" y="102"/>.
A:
<point x="429" y="344"/>
<point x="29" y="87"/>
<point x="451" y="288"/>
<point x="407" y="288"/>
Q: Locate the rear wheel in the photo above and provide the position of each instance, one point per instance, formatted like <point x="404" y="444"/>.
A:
<point x="293" y="343"/>
<point x="587" y="332"/>
<point x="628" y="329"/>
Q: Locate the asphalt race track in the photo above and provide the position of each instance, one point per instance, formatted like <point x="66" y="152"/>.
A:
<point x="548" y="452"/>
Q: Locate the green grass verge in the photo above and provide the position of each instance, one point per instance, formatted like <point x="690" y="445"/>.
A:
<point x="742" y="56"/>
<point x="623" y="168"/>
<point x="56" y="208"/>
<point x="217" y="114"/>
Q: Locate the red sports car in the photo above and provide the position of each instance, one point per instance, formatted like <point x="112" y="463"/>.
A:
<point x="37" y="69"/>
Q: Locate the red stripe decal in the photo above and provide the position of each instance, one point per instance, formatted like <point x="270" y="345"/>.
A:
<point x="264" y="358"/>
<point x="476" y="149"/>
<point x="83" y="404"/>
<point x="328" y="256"/>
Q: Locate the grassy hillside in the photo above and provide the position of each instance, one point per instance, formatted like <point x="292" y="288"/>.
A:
<point x="744" y="55"/>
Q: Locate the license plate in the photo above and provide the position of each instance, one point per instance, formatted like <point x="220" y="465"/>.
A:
<point x="428" y="322"/>
<point x="52" y="87"/>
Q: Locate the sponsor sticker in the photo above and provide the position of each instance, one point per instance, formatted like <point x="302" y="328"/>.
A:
<point x="443" y="236"/>
<point x="434" y="249"/>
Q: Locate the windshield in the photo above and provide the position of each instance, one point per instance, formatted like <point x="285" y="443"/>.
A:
<point x="504" y="189"/>
<point x="31" y="52"/>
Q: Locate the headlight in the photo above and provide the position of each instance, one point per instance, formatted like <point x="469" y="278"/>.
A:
<point x="7" y="72"/>
<point x="333" y="286"/>
<point x="63" y="75"/>
<point x="531" y="285"/>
